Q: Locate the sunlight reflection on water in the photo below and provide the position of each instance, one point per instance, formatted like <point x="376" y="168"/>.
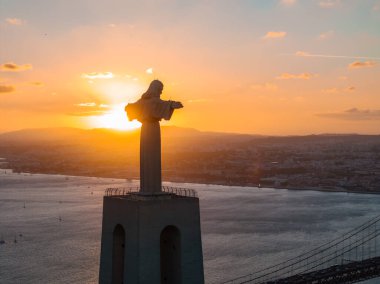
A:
<point x="243" y="229"/>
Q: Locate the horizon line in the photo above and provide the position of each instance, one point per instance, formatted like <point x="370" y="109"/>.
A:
<point x="189" y="128"/>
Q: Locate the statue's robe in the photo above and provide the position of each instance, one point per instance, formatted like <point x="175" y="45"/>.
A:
<point x="149" y="111"/>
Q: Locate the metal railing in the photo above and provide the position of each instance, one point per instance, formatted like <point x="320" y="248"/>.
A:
<point x="124" y="191"/>
<point x="187" y="192"/>
<point x="121" y="191"/>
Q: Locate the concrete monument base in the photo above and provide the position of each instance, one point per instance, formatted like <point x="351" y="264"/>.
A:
<point x="151" y="239"/>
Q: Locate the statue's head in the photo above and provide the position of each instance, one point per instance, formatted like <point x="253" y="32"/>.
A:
<point x="154" y="90"/>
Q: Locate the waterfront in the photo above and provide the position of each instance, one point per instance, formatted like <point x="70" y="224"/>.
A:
<point x="56" y="222"/>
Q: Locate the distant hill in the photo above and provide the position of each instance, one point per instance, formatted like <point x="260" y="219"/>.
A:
<point x="65" y="135"/>
<point x="173" y="138"/>
<point x="58" y="134"/>
<point x="347" y="161"/>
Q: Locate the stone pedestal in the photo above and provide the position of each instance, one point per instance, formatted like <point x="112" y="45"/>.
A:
<point x="150" y="239"/>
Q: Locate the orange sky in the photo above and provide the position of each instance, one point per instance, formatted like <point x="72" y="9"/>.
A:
<point x="265" y="67"/>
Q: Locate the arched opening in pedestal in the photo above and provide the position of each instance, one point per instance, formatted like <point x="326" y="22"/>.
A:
<point x="170" y="255"/>
<point x="118" y="248"/>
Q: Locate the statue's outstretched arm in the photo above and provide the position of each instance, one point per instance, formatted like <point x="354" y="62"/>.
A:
<point x="176" y="105"/>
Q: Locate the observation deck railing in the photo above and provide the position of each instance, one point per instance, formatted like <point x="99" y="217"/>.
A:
<point x="126" y="191"/>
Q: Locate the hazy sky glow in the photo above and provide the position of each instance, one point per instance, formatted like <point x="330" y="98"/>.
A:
<point x="251" y="66"/>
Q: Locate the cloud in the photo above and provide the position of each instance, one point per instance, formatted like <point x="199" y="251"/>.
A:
<point x="361" y="64"/>
<point x="307" y="54"/>
<point x="86" y="104"/>
<point x="328" y="3"/>
<point x="149" y="70"/>
<point x="354" y="114"/>
<point x="264" y="87"/>
<point x="37" y="84"/>
<point x="331" y="91"/>
<point x="303" y="76"/>
<point x="98" y="75"/>
<point x="326" y="35"/>
<point x="92" y="105"/>
<point x="303" y="53"/>
<point x="14" y="21"/>
<point x="88" y="113"/>
<point x="376" y="6"/>
<point x="90" y="109"/>
<point x="6" y="89"/>
<point x="12" y="67"/>
<point x="339" y="90"/>
<point x="271" y="35"/>
<point x="288" y="2"/>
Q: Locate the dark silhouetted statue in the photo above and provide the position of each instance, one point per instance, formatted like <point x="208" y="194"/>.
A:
<point x="149" y="110"/>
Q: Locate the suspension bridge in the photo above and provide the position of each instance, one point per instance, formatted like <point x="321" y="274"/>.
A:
<point x="352" y="257"/>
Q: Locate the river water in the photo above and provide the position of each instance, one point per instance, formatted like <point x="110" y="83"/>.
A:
<point x="51" y="225"/>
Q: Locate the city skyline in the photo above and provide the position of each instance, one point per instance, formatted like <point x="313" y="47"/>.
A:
<point x="278" y="67"/>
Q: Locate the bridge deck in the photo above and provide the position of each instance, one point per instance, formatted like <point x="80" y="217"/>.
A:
<point x="345" y="273"/>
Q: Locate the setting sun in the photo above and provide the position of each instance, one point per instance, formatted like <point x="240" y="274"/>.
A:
<point x="114" y="92"/>
<point x="116" y="118"/>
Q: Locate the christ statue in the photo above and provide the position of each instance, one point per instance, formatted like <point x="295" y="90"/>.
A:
<point x="149" y="110"/>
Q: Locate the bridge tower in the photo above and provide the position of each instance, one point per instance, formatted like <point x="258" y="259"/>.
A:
<point x="152" y="235"/>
